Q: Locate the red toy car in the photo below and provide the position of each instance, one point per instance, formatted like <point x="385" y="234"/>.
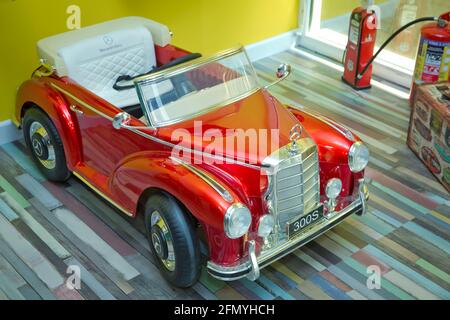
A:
<point x="194" y="144"/>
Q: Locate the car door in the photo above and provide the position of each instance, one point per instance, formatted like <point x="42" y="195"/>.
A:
<point x="103" y="146"/>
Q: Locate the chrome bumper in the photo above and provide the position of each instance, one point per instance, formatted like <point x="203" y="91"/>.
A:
<point x="251" y="268"/>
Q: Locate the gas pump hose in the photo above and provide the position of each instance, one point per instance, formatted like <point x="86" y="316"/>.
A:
<point x="406" y="26"/>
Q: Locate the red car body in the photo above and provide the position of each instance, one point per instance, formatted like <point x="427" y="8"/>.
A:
<point x="125" y="166"/>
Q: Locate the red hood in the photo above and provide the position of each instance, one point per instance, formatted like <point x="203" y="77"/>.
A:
<point x="259" y="120"/>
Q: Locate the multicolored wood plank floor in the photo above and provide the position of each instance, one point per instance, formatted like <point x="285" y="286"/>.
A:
<point x="46" y="227"/>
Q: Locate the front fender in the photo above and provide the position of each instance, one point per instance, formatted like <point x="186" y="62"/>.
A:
<point x="153" y="171"/>
<point x="150" y="170"/>
<point x="38" y="92"/>
<point x="333" y="142"/>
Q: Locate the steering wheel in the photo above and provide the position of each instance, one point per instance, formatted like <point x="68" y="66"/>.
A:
<point x="177" y="61"/>
<point x="172" y="63"/>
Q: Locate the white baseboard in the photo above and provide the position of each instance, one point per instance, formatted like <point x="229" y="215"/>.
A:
<point x="8" y="132"/>
<point x="271" y="46"/>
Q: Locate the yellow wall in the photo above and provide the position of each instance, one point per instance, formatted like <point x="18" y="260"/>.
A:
<point x="198" y="25"/>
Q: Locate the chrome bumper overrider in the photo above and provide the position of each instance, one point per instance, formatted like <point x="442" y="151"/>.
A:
<point x="251" y="267"/>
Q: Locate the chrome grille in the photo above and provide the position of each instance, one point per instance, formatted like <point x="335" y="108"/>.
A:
<point x="295" y="179"/>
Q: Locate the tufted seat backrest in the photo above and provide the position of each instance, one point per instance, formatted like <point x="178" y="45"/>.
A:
<point x="96" y="56"/>
<point x="96" y="63"/>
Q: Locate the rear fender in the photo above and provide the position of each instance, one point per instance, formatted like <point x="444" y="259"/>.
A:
<point x="37" y="92"/>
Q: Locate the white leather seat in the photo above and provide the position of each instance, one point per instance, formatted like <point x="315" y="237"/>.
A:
<point x="96" y="56"/>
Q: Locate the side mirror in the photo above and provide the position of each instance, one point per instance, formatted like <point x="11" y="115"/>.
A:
<point x="121" y="120"/>
<point x="283" y="71"/>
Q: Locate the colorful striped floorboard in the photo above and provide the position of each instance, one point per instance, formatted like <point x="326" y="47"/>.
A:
<point x="46" y="227"/>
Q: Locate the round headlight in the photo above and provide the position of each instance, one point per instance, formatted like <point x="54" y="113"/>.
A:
<point x="333" y="188"/>
<point x="237" y="221"/>
<point x="266" y="224"/>
<point x="358" y="157"/>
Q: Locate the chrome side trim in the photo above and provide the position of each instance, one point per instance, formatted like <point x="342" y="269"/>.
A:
<point x="219" y="188"/>
<point x="138" y="131"/>
<point x="194" y="151"/>
<point x="81" y="102"/>
<point x="104" y="196"/>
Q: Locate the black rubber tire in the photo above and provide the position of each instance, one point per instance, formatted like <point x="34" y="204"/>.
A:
<point x="186" y="244"/>
<point x="60" y="172"/>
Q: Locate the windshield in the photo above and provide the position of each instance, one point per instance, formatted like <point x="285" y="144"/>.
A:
<point x="189" y="90"/>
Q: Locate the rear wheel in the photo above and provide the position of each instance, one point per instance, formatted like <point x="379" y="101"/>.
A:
<point x="173" y="241"/>
<point x="45" y="145"/>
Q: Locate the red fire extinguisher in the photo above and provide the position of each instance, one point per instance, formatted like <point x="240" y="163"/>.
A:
<point x="361" y="43"/>
<point x="433" y="57"/>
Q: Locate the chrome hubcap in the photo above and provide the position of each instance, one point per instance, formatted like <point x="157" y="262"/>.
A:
<point x="38" y="148"/>
<point x="42" y="145"/>
<point x="161" y="239"/>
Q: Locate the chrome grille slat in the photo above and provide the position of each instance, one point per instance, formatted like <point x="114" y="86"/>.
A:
<point x="306" y="156"/>
<point x="289" y="177"/>
<point x="296" y="208"/>
<point x="307" y="199"/>
<point x="286" y="174"/>
<point x="288" y="183"/>
<point x="308" y="152"/>
<point x="293" y="199"/>
<point x="291" y="208"/>
<point x="289" y="188"/>
<point x="308" y="186"/>
<point x="309" y="175"/>
<point x="296" y="179"/>
<point x="289" y="193"/>
<point x="309" y="167"/>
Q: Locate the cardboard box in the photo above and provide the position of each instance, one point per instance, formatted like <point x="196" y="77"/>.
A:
<point x="429" y="129"/>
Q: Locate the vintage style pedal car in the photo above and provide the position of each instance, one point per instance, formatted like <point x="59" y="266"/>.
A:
<point x="124" y="111"/>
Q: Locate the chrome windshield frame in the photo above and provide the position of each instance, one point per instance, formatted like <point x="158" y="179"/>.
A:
<point x="185" y="67"/>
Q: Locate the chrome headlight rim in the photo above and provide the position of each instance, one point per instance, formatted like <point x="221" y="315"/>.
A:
<point x="236" y="208"/>
<point x="354" y="149"/>
<point x="264" y="221"/>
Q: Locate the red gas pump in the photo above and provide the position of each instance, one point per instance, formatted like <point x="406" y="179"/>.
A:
<point x="361" y="43"/>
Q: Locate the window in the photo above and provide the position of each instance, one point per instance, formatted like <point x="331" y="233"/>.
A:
<point x="325" y="26"/>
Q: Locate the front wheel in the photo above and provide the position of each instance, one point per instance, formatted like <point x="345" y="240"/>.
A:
<point x="173" y="241"/>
